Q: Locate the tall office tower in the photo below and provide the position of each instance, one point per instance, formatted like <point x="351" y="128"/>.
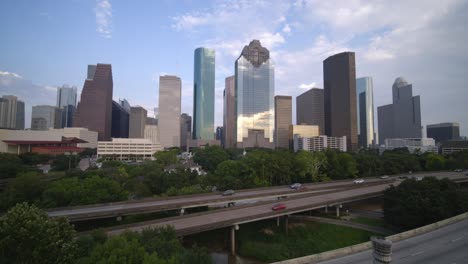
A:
<point x="66" y="100"/>
<point x="125" y="104"/>
<point x="254" y="93"/>
<point x="310" y="109"/>
<point x="203" y="94"/>
<point x="94" y="111"/>
<point x="365" y="111"/>
<point x="185" y="129"/>
<point x="443" y="131"/>
<point x="229" y="115"/>
<point x="402" y="119"/>
<point x="169" y="110"/>
<point x="283" y="119"/>
<point x="19" y="115"/>
<point x="8" y="108"/>
<point x="137" y="122"/>
<point x="45" y="117"/>
<point x="339" y="78"/>
<point x="220" y="135"/>
<point x="120" y="121"/>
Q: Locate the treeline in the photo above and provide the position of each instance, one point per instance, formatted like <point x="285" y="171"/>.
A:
<point x="30" y="236"/>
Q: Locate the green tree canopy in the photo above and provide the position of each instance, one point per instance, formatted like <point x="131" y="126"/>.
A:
<point x="210" y="157"/>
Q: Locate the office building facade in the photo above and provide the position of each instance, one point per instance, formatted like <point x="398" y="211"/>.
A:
<point x="137" y="122"/>
<point x="20" y="112"/>
<point x="319" y="143"/>
<point x="120" y="121"/>
<point x="9" y="111"/>
<point x="402" y="118"/>
<point x="185" y="130"/>
<point x="443" y="131"/>
<point x="365" y="111"/>
<point x="283" y="119"/>
<point x="254" y="92"/>
<point x="66" y="101"/>
<point x="220" y="135"/>
<point x="45" y="117"/>
<point x="169" y="110"/>
<point x="310" y="109"/>
<point x="229" y="112"/>
<point x="203" y="94"/>
<point x="412" y="144"/>
<point x="339" y="78"/>
<point x="94" y="111"/>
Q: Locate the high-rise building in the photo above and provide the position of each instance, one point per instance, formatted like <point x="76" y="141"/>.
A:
<point x="8" y="109"/>
<point x="220" y="135"/>
<point x="19" y="115"/>
<point x="45" y="117"/>
<point x="185" y="130"/>
<point x="229" y="115"/>
<point x="365" y="111"/>
<point x="339" y="78"/>
<point x="402" y="119"/>
<point x="94" y="111"/>
<point x="254" y="92"/>
<point x="169" y="110"/>
<point x="203" y="94"/>
<point x="283" y="119"/>
<point x="443" y="131"/>
<point x="310" y="109"/>
<point x="66" y="100"/>
<point x="125" y="104"/>
<point x="120" y="121"/>
<point x="137" y="122"/>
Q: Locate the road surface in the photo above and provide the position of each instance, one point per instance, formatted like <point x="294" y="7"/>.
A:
<point x="448" y="244"/>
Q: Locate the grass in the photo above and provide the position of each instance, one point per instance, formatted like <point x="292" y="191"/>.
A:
<point x="368" y="221"/>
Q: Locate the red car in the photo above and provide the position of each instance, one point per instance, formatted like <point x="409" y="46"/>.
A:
<point x="277" y="207"/>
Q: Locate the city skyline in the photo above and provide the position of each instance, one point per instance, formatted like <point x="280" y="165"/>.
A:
<point x="27" y="79"/>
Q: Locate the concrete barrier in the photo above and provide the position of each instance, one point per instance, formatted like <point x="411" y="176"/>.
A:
<point x="368" y="245"/>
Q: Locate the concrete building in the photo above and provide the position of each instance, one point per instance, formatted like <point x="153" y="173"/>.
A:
<point x="137" y="122"/>
<point x="125" y="104"/>
<point x="254" y="93"/>
<point x="185" y="130"/>
<point x="203" y="94"/>
<point x="219" y="135"/>
<point x="283" y="119"/>
<point x="365" y="112"/>
<point x="20" y="112"/>
<point x="152" y="133"/>
<point x="120" y="121"/>
<point x="443" y="131"/>
<point x="229" y="112"/>
<point x="127" y="149"/>
<point x="305" y="131"/>
<point x="45" y="117"/>
<point x="339" y="78"/>
<point x="9" y="112"/>
<point x="412" y="144"/>
<point x="169" y="110"/>
<point x="310" y="109"/>
<point x="66" y="100"/>
<point x="151" y="121"/>
<point x="256" y="139"/>
<point x="94" y="111"/>
<point x="200" y="143"/>
<point x="402" y="118"/>
<point x="451" y="146"/>
<point x="319" y="143"/>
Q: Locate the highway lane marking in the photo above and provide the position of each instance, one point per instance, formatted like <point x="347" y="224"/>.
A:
<point x="456" y="239"/>
<point x="417" y="253"/>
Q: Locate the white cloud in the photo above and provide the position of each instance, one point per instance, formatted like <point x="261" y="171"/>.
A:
<point x="287" y="28"/>
<point x="11" y="74"/>
<point x="103" y="11"/>
<point x="307" y="86"/>
<point x="190" y="21"/>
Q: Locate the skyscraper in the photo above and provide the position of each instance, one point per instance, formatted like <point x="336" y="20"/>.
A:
<point x="310" y="109"/>
<point x="94" y="111"/>
<point x="220" y="134"/>
<point x="443" y="131"/>
<point x="339" y="78"/>
<point x="120" y="121"/>
<point x="66" y="100"/>
<point x="402" y="119"/>
<point x="283" y="119"/>
<point x="45" y="117"/>
<point x="137" y="122"/>
<point x="254" y="92"/>
<point x="169" y="110"/>
<point x="365" y="111"/>
<point x="203" y="94"/>
<point x="229" y="115"/>
<point x="185" y="129"/>
<point x="19" y="115"/>
<point x="8" y="109"/>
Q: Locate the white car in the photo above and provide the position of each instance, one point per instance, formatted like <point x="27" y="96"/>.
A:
<point x="295" y="186"/>
<point x="359" y="181"/>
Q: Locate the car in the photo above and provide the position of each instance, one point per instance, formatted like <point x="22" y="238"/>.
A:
<point x="278" y="207"/>
<point x="228" y="193"/>
<point x="458" y="170"/>
<point x="384" y="177"/>
<point x="402" y="177"/>
<point x="419" y="178"/>
<point x="295" y="186"/>
<point x="359" y="181"/>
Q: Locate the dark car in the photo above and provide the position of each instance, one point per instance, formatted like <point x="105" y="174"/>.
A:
<point x="278" y="207"/>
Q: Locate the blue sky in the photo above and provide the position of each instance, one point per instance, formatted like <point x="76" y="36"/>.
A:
<point x="47" y="43"/>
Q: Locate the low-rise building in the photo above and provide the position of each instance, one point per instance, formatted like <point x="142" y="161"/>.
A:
<point x="412" y="144"/>
<point x="319" y="143"/>
<point x="303" y="131"/>
<point x="451" y="146"/>
<point x="127" y="149"/>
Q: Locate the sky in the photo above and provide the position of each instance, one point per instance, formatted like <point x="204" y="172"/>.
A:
<point x="49" y="43"/>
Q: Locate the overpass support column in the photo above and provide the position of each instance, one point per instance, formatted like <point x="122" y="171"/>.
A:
<point x="338" y="210"/>
<point x="233" y="239"/>
<point x="326" y="209"/>
<point x="182" y="211"/>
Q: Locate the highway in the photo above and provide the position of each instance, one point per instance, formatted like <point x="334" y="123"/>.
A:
<point x="181" y="202"/>
<point x="448" y="244"/>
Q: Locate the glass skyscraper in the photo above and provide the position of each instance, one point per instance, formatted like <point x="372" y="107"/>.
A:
<point x="203" y="99"/>
<point x="365" y="111"/>
<point x="255" y="89"/>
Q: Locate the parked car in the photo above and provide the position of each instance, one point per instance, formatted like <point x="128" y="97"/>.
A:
<point x="384" y="177"/>
<point x="228" y="193"/>
<point x="278" y="207"/>
<point x="295" y="186"/>
<point x="359" y="181"/>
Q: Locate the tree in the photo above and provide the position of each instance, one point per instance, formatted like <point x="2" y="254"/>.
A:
<point x="234" y="174"/>
<point x="311" y="166"/>
<point x="28" y="235"/>
<point x="27" y="187"/>
<point x="166" y="157"/>
<point x="30" y="158"/>
<point x="10" y="165"/>
<point x="434" y="162"/>
<point x="119" y="249"/>
<point x="210" y="157"/>
<point x="64" y="162"/>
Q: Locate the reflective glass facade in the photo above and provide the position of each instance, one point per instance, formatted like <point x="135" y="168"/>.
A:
<point x="203" y="99"/>
<point x="255" y="88"/>
<point x="365" y="111"/>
